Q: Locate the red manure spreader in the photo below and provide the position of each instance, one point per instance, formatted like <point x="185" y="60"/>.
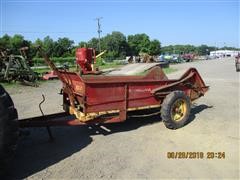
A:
<point x="92" y="98"/>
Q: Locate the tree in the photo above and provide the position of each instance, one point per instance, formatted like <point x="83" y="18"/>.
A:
<point x="17" y="41"/>
<point x="167" y="49"/>
<point x="115" y="44"/>
<point x="83" y="44"/>
<point x="155" y="47"/>
<point x="179" y="49"/>
<point x="5" y="42"/>
<point x="93" y="43"/>
<point x="37" y="43"/>
<point x="48" y="46"/>
<point x="138" y="43"/>
<point x="63" y="47"/>
<point x="13" y="43"/>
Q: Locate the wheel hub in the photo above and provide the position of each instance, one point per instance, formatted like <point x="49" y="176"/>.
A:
<point x="178" y="110"/>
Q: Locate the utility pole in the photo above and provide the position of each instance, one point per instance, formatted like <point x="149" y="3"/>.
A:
<point x="99" y="33"/>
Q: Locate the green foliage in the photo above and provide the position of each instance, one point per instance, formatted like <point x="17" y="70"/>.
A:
<point x="182" y="49"/>
<point x="5" y="42"/>
<point x="48" y="46"/>
<point x="204" y="49"/>
<point x="200" y="50"/>
<point x="93" y="43"/>
<point x="108" y="65"/>
<point x="116" y="44"/>
<point x="17" y="41"/>
<point x="141" y="43"/>
<point x="63" y="47"/>
<point x="111" y="55"/>
<point x="179" y="49"/>
<point x="13" y="43"/>
<point x="56" y="60"/>
<point x="82" y="44"/>
<point x="138" y="43"/>
<point x="228" y="48"/>
<point x="169" y="70"/>
<point x="100" y="62"/>
<point x="155" y="47"/>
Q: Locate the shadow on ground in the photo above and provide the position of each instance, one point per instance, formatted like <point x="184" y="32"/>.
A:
<point x="196" y="109"/>
<point x="134" y="123"/>
<point x="36" y="153"/>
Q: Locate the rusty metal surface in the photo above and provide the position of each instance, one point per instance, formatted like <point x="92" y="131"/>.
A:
<point x="89" y="94"/>
<point x="190" y="82"/>
<point x="17" y="68"/>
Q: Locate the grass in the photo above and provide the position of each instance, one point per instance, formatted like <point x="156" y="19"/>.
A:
<point x="106" y="66"/>
<point x="10" y="84"/>
<point x="169" y="70"/>
<point x="73" y="68"/>
<point x="110" y="65"/>
<point x="43" y="70"/>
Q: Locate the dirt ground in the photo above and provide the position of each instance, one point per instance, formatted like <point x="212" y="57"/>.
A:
<point x="137" y="148"/>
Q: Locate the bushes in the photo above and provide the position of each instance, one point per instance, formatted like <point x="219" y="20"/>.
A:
<point x="56" y="60"/>
<point x="100" y="62"/>
<point x="69" y="60"/>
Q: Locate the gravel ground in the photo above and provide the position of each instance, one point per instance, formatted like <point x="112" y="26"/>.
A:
<point x="138" y="147"/>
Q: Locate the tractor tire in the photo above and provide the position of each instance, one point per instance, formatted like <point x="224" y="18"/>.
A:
<point x="175" y="110"/>
<point x="8" y="130"/>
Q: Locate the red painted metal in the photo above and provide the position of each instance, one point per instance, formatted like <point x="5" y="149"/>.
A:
<point x="84" y="58"/>
<point x="50" y="75"/>
<point x="94" y="94"/>
<point x="105" y="93"/>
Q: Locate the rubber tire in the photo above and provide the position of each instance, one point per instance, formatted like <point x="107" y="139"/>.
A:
<point x="166" y="110"/>
<point x="9" y="131"/>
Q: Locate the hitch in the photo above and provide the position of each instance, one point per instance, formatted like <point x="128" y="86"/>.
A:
<point x="51" y="139"/>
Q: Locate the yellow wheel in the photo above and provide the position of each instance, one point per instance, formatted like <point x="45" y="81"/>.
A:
<point x="175" y="110"/>
<point x="178" y="110"/>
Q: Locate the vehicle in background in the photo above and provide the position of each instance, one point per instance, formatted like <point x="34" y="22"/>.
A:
<point x="188" y="57"/>
<point x="173" y="58"/>
<point x="237" y="62"/>
<point x="202" y="57"/>
<point x="212" y="57"/>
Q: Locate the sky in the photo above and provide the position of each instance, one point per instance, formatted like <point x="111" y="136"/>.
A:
<point x="211" y="22"/>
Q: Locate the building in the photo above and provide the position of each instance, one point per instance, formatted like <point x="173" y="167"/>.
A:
<point x="224" y="53"/>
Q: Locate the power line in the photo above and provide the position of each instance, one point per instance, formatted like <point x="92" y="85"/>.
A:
<point x="37" y="32"/>
<point x="99" y="32"/>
